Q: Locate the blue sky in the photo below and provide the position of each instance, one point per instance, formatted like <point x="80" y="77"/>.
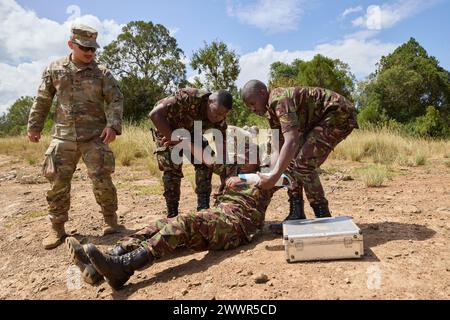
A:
<point x="261" y="31"/>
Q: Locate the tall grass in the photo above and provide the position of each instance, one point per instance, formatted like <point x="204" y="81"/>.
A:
<point x="385" y="146"/>
<point x="374" y="175"/>
<point x="133" y="145"/>
<point x="23" y="149"/>
<point x="381" y="146"/>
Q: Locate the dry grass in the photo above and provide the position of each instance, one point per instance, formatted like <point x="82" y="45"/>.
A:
<point x="20" y="147"/>
<point x="390" y="148"/>
<point x="420" y="159"/>
<point x="146" y="190"/>
<point x="136" y="147"/>
<point x="35" y="214"/>
<point x="374" y="175"/>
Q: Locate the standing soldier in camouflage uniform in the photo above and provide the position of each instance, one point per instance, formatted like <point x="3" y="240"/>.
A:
<point x="88" y="118"/>
<point x="312" y="122"/>
<point x="236" y="219"/>
<point x="180" y="112"/>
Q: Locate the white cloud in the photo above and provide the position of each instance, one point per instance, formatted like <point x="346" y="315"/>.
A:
<point x="272" y="16"/>
<point x="387" y="15"/>
<point x="351" y="10"/>
<point x="28" y="43"/>
<point x="256" y="65"/>
<point x="360" y="52"/>
<point x="20" y="80"/>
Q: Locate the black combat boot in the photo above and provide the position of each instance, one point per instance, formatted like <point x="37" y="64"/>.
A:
<point x="296" y="212"/>
<point x="172" y="209"/>
<point x="321" y="210"/>
<point x="296" y="209"/>
<point x="202" y="201"/>
<point x="118" y="250"/>
<point x="117" y="270"/>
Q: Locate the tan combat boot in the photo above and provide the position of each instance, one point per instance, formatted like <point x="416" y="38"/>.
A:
<point x="111" y="225"/>
<point x="55" y="237"/>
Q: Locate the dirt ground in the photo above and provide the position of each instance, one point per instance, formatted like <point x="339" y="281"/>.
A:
<point x="405" y="225"/>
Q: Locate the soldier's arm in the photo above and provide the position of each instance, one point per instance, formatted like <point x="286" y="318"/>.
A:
<point x="287" y="113"/>
<point x="113" y="102"/>
<point x="41" y="105"/>
<point x="225" y="171"/>
<point x="158" y="116"/>
<point x="287" y="153"/>
<point x="223" y="130"/>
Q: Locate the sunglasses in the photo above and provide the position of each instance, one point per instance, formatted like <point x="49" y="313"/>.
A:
<point x="86" y="49"/>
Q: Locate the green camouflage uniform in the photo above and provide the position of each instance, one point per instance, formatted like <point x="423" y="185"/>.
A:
<point x="323" y="118"/>
<point x="88" y="99"/>
<point x="190" y="105"/>
<point x="235" y="220"/>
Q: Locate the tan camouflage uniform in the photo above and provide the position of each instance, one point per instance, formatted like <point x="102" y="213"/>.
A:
<point x="88" y="99"/>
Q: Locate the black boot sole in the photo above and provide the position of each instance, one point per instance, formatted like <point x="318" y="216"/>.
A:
<point x="116" y="279"/>
<point x="324" y="216"/>
<point x="81" y="260"/>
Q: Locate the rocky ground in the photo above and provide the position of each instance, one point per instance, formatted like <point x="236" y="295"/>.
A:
<point x="405" y="225"/>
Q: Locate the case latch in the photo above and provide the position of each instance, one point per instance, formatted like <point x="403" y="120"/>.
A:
<point x="348" y="242"/>
<point x="298" y="245"/>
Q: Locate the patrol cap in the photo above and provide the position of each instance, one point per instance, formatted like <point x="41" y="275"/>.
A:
<point x="84" y="35"/>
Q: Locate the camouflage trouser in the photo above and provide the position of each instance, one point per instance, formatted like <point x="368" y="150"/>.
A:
<point x="296" y="192"/>
<point x="172" y="173"/>
<point x="60" y="163"/>
<point x="210" y="229"/>
<point x="316" y="145"/>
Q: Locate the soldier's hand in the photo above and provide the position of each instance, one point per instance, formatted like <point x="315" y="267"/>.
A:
<point x="34" y="136"/>
<point x="108" y="135"/>
<point x="169" y="143"/>
<point x="233" y="182"/>
<point x="266" y="181"/>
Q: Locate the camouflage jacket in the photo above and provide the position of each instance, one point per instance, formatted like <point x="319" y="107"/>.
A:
<point x="304" y="107"/>
<point x="87" y="100"/>
<point x="190" y="105"/>
<point x="249" y="204"/>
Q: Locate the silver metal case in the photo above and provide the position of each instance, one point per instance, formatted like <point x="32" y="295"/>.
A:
<point x="322" y="239"/>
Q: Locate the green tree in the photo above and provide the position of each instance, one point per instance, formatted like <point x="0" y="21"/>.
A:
<point x="3" y="125"/>
<point x="148" y="62"/>
<point x="406" y="82"/>
<point x="19" y="111"/>
<point x="15" y="120"/>
<point x="241" y="116"/>
<point x="218" y="65"/>
<point x="284" y="74"/>
<point x="219" y="68"/>
<point x="431" y="124"/>
<point x="321" y="71"/>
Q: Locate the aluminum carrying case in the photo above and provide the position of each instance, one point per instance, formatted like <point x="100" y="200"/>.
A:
<point x="322" y="239"/>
